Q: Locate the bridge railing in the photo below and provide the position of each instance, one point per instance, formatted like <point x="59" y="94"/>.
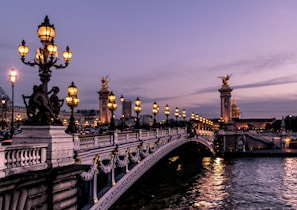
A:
<point x="110" y="164"/>
<point x="116" y="138"/>
<point x="22" y="158"/>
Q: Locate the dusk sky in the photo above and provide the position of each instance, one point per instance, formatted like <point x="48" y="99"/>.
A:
<point x="167" y="51"/>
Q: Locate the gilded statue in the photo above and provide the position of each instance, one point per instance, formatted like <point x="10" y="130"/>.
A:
<point x="225" y="80"/>
<point x="104" y="83"/>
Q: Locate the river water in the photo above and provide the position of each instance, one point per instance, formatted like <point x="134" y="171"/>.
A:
<point x="190" y="179"/>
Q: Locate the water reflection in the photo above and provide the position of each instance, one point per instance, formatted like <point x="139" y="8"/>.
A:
<point x="289" y="194"/>
<point x="209" y="190"/>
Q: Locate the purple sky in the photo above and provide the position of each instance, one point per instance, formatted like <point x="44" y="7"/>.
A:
<point x="165" y="50"/>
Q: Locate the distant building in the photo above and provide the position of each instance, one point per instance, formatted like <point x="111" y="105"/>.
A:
<point x="235" y="110"/>
<point x="127" y="109"/>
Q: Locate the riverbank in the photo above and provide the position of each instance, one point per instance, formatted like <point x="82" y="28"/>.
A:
<point x="263" y="153"/>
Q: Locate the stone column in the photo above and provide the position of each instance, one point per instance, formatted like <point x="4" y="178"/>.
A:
<point x="225" y="94"/>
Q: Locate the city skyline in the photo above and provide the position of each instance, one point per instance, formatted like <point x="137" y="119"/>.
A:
<point x="171" y="52"/>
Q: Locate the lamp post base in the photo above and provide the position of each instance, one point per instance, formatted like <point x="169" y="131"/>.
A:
<point x="60" y="145"/>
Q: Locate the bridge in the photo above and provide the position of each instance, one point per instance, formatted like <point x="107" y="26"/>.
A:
<point x="90" y="171"/>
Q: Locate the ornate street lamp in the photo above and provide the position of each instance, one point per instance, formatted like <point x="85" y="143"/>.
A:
<point x="176" y="113"/>
<point x="192" y="116"/>
<point x="12" y="76"/>
<point x="3" y="102"/>
<point x="137" y="109"/>
<point x="155" y="112"/>
<point x="112" y="106"/>
<point x="167" y="113"/>
<point x="184" y="115"/>
<point x="44" y="111"/>
<point x="72" y="101"/>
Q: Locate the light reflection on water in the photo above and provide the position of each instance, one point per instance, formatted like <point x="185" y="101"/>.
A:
<point x="245" y="183"/>
<point x="209" y="190"/>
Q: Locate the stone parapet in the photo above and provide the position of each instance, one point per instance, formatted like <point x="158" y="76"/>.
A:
<point x="60" y="144"/>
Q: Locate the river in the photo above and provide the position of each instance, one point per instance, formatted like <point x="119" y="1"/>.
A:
<point x="187" y="178"/>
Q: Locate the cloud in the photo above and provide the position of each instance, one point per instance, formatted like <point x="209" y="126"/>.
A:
<point x="254" y="64"/>
<point x="7" y="46"/>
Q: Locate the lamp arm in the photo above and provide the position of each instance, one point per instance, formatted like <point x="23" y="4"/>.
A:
<point x="28" y="62"/>
<point x="61" y="66"/>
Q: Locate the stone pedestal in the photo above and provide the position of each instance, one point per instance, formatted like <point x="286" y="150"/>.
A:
<point x="60" y="144"/>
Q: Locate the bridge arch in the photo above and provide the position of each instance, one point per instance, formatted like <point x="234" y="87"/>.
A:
<point x="149" y="158"/>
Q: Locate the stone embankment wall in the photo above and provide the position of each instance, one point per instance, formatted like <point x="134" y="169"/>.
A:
<point x="47" y="189"/>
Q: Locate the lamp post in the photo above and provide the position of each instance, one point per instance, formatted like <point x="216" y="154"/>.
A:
<point x="192" y="116"/>
<point x="46" y="57"/>
<point x="137" y="109"/>
<point x="12" y="76"/>
<point x="18" y="120"/>
<point x="167" y="113"/>
<point x="184" y="115"/>
<point x="112" y="106"/>
<point x="155" y="112"/>
<point x="176" y="113"/>
<point x="3" y="102"/>
<point x="123" y="112"/>
<point x="72" y="101"/>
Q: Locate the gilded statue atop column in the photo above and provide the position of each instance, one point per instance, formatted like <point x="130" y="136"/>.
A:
<point x="225" y="80"/>
<point x="104" y="83"/>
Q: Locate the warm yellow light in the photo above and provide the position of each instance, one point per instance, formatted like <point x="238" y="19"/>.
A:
<point x="176" y="112"/>
<point x="39" y="55"/>
<point x="167" y="112"/>
<point x="23" y="49"/>
<point x="46" y="31"/>
<point x="137" y="102"/>
<point x="137" y="109"/>
<point x="184" y="113"/>
<point x="12" y="76"/>
<point x="112" y="97"/>
<point x="67" y="55"/>
<point x="122" y="98"/>
<point x="72" y="90"/>
<point x="52" y="49"/>
<point x="155" y="105"/>
<point x="3" y="101"/>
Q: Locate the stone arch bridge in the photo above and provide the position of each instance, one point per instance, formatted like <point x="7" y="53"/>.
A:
<point x="124" y="157"/>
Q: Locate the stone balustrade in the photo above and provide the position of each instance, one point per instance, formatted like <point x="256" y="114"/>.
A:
<point x="22" y="158"/>
<point x="26" y="156"/>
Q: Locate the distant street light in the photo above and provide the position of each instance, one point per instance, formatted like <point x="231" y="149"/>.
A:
<point x="112" y="106"/>
<point x="137" y="109"/>
<point x="184" y="115"/>
<point x="12" y="76"/>
<point x="3" y="102"/>
<point x="176" y="113"/>
<point x="155" y="112"/>
<point x="123" y="112"/>
<point x="167" y="113"/>
<point x="72" y="101"/>
<point x="192" y="116"/>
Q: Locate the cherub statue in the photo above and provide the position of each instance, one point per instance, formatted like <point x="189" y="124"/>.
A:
<point x="225" y="80"/>
<point x="104" y="83"/>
